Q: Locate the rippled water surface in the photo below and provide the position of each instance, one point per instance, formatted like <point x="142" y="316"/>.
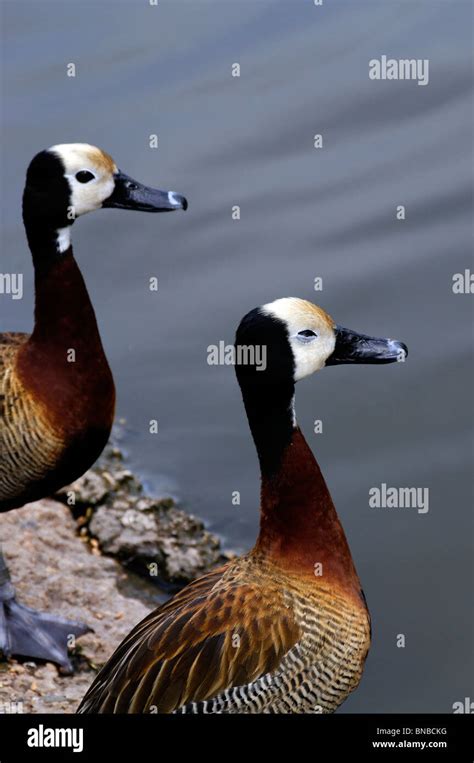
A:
<point x="305" y="213"/>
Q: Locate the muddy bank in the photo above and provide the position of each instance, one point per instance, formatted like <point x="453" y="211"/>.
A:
<point x="53" y="569"/>
<point x="150" y="535"/>
<point x="101" y="552"/>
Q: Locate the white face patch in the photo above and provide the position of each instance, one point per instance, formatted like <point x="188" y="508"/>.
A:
<point x="83" y="158"/>
<point x="312" y="348"/>
<point x="63" y="239"/>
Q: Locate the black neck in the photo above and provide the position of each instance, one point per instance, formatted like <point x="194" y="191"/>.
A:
<point x="63" y="310"/>
<point x="42" y="230"/>
<point x="43" y="243"/>
<point x="270" y="413"/>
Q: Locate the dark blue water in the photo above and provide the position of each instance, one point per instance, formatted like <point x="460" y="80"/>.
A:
<point x="305" y="213"/>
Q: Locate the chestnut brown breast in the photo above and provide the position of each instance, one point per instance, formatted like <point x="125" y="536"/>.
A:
<point x="57" y="394"/>
<point x="246" y="638"/>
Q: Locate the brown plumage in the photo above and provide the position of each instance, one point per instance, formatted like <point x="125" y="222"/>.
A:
<point x="57" y="394"/>
<point x="56" y="390"/>
<point x="226" y="638"/>
<point x="285" y="628"/>
<point x="187" y="650"/>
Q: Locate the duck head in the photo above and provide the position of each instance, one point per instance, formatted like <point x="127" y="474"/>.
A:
<point x="70" y="179"/>
<point x="298" y="338"/>
<point x="280" y="343"/>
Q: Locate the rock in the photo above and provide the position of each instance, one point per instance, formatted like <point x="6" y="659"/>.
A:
<point x="100" y="483"/>
<point x="54" y="550"/>
<point x="152" y="536"/>
<point x="155" y="538"/>
<point x="53" y="569"/>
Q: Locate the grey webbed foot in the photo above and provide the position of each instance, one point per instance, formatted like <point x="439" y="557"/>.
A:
<point x="24" y="632"/>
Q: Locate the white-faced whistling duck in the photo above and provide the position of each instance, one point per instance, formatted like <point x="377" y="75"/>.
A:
<point x="56" y="415"/>
<point x="284" y="628"/>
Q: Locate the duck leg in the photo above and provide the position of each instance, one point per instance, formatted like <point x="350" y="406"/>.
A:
<point x="28" y="633"/>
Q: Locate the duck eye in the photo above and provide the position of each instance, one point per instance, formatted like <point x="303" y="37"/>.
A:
<point x="307" y="335"/>
<point x="84" y="176"/>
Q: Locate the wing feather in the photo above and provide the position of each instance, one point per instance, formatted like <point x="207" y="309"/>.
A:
<point x="217" y="633"/>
